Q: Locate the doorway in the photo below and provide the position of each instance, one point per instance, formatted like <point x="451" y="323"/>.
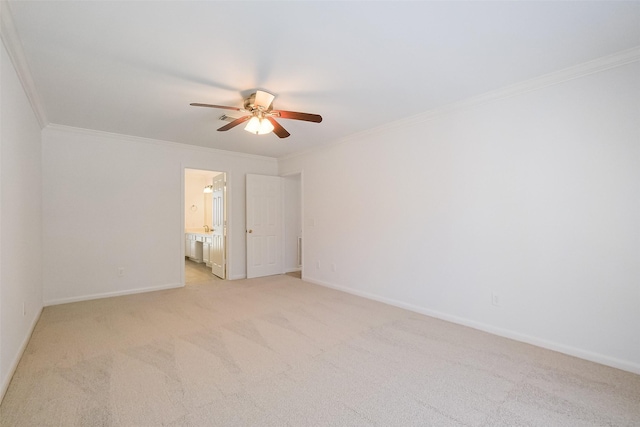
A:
<point x="205" y="225"/>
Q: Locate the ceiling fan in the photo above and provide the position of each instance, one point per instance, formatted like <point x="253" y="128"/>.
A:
<point x="261" y="115"/>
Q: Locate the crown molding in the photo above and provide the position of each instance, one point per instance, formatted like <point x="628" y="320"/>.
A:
<point x="598" y="65"/>
<point x="13" y="45"/>
<point x="157" y="142"/>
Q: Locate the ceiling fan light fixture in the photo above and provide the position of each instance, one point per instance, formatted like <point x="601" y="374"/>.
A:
<point x="265" y="126"/>
<point x="260" y="117"/>
<point x="259" y="126"/>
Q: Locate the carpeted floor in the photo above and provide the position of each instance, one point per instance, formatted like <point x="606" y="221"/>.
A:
<point x="195" y="273"/>
<point x="296" y="274"/>
<point x="277" y="351"/>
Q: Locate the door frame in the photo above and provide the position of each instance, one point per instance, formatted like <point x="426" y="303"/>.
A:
<point x="228" y="208"/>
<point x="284" y="175"/>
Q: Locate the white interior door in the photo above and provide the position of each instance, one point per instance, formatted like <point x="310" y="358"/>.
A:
<point x="219" y="227"/>
<point x="264" y="225"/>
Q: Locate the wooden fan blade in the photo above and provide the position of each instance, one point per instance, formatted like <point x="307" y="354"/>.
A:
<point x="278" y="129"/>
<point x="234" y="123"/>
<point x="263" y="99"/>
<point x="224" y="107"/>
<point x="307" y="117"/>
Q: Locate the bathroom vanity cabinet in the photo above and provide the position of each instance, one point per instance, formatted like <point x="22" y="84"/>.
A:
<point x="193" y="246"/>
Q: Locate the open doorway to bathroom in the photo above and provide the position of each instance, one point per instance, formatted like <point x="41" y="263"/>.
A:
<point x="205" y="226"/>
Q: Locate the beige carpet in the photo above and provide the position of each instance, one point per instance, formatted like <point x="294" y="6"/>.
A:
<point x="297" y="274"/>
<point x="277" y="351"/>
<point x="197" y="272"/>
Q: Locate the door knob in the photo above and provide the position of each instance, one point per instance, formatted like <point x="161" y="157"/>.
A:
<point x="250" y="231"/>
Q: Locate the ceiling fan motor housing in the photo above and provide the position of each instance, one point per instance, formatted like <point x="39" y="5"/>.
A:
<point x="250" y="104"/>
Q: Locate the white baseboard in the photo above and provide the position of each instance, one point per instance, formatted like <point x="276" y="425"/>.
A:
<point x="291" y="270"/>
<point x="517" y="336"/>
<point x="58" y="301"/>
<point x="14" y="363"/>
<point x="238" y="277"/>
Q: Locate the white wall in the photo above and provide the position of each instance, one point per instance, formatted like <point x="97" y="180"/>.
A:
<point x="535" y="197"/>
<point x="20" y="220"/>
<point x="292" y="221"/>
<point x="114" y="201"/>
<point x="194" y="184"/>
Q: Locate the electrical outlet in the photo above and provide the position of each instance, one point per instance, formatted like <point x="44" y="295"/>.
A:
<point x="495" y="299"/>
<point x="333" y="267"/>
<point x="120" y="271"/>
<point x="317" y="265"/>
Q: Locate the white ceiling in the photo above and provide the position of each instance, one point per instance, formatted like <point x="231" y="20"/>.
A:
<point x="133" y="67"/>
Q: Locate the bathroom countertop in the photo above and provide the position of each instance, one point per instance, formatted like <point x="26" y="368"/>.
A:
<point x="198" y="232"/>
